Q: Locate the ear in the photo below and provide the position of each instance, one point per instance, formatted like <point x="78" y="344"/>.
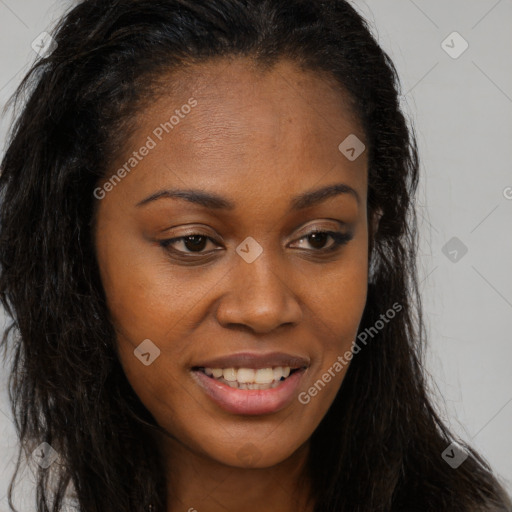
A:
<point x="374" y="223"/>
<point x="373" y="227"/>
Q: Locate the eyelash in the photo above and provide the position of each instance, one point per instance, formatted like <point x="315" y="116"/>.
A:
<point x="340" y="239"/>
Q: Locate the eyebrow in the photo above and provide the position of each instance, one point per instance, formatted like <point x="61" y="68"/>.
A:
<point x="216" y="202"/>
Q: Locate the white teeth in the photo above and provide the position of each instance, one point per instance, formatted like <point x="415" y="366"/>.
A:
<point x="278" y="373"/>
<point x="217" y="372"/>
<point x="245" y="375"/>
<point x="229" y="374"/>
<point x="250" y="378"/>
<point x="264" y="376"/>
<point x="238" y="385"/>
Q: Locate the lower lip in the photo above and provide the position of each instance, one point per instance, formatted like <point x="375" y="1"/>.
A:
<point x="250" y="401"/>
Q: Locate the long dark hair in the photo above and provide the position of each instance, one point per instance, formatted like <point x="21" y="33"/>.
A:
<point x="379" y="446"/>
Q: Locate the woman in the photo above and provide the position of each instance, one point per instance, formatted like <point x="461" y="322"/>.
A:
<point x="208" y="250"/>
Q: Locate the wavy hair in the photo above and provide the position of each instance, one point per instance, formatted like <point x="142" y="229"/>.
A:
<point x="379" y="446"/>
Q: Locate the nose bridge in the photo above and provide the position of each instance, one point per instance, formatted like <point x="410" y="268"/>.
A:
<point x="259" y="296"/>
<point x="262" y="277"/>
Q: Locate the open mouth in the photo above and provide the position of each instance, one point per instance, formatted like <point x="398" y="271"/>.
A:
<point x="249" y="378"/>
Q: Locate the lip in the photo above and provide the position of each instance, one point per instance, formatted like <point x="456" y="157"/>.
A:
<point x="249" y="401"/>
<point x="254" y="360"/>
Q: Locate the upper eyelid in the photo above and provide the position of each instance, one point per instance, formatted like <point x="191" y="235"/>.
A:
<point x="305" y="232"/>
<point x="306" y="228"/>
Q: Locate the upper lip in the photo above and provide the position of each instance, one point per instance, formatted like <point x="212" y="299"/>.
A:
<point x="255" y="360"/>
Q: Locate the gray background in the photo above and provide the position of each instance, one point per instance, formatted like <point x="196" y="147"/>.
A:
<point x="462" y="111"/>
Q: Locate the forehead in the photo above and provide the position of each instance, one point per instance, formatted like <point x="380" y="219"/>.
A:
<point x="236" y="97"/>
<point x="249" y="128"/>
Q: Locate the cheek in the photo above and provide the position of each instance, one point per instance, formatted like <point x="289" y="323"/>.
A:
<point x="149" y="306"/>
<point x="341" y="294"/>
<point x="339" y="302"/>
<point x="147" y="298"/>
<point x="146" y="302"/>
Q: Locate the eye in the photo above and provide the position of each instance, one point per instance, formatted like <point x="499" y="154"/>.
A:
<point x="317" y="239"/>
<point x="194" y="243"/>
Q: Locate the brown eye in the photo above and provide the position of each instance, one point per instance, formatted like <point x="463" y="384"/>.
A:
<point x="195" y="243"/>
<point x="318" y="239"/>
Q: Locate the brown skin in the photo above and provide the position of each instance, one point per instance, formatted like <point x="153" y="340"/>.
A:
<point x="257" y="138"/>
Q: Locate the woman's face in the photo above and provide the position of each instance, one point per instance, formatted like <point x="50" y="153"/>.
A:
<point x="251" y="289"/>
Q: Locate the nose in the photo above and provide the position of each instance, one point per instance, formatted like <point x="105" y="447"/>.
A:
<point x="260" y="297"/>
